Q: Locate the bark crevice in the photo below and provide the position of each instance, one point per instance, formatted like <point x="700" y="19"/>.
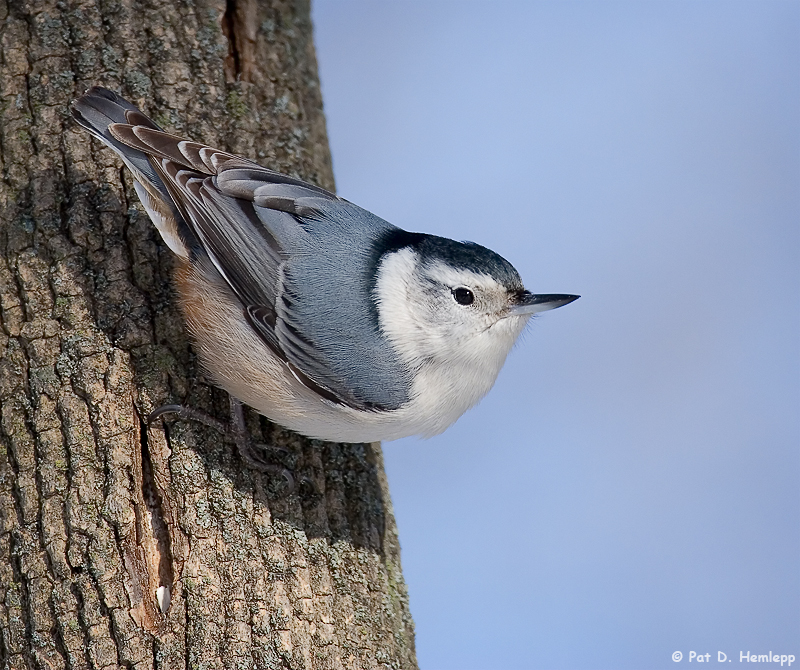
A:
<point x="238" y="26"/>
<point x="232" y="66"/>
<point x="152" y="533"/>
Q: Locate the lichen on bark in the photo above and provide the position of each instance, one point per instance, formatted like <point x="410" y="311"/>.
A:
<point x="96" y="510"/>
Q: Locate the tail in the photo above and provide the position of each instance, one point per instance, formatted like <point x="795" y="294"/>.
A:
<point x="95" y="111"/>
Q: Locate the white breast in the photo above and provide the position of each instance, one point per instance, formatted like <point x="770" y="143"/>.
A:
<point x="454" y="362"/>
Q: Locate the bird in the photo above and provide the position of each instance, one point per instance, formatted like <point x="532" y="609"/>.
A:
<point x="320" y="315"/>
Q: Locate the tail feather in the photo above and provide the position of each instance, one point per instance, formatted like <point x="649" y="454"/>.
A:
<point x="96" y="110"/>
<point x="99" y="108"/>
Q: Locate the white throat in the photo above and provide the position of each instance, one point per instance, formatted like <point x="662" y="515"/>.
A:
<point x="454" y="365"/>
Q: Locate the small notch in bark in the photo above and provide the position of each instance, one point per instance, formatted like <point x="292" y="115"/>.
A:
<point x="239" y="24"/>
<point x="158" y="526"/>
<point x="149" y="560"/>
<point x="232" y="66"/>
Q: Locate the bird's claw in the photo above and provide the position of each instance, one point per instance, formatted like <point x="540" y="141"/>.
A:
<point x="235" y="432"/>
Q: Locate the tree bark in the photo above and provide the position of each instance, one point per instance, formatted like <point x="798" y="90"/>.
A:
<point x="96" y="510"/>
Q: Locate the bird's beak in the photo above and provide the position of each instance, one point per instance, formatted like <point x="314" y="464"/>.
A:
<point x="528" y="303"/>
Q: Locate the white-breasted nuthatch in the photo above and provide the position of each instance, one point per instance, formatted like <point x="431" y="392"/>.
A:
<point x="320" y="315"/>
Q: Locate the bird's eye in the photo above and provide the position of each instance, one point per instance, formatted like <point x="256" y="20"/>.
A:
<point x="463" y="296"/>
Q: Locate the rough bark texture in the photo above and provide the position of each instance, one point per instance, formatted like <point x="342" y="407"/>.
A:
<point x="97" y="511"/>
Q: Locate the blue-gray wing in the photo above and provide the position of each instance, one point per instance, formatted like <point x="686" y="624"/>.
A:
<point x="300" y="259"/>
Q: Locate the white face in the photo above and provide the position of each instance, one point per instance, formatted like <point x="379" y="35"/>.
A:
<point x="434" y="312"/>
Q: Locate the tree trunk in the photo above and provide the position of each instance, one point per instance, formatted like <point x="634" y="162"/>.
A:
<point x="96" y="510"/>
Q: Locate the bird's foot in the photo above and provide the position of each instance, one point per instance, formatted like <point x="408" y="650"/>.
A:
<point x="235" y="431"/>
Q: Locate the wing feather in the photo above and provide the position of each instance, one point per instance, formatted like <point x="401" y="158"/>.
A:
<point x="299" y="258"/>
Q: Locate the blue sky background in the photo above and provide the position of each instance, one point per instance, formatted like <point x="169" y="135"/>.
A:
<point x="631" y="486"/>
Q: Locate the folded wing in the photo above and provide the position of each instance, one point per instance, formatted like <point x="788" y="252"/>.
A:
<point x="300" y="259"/>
